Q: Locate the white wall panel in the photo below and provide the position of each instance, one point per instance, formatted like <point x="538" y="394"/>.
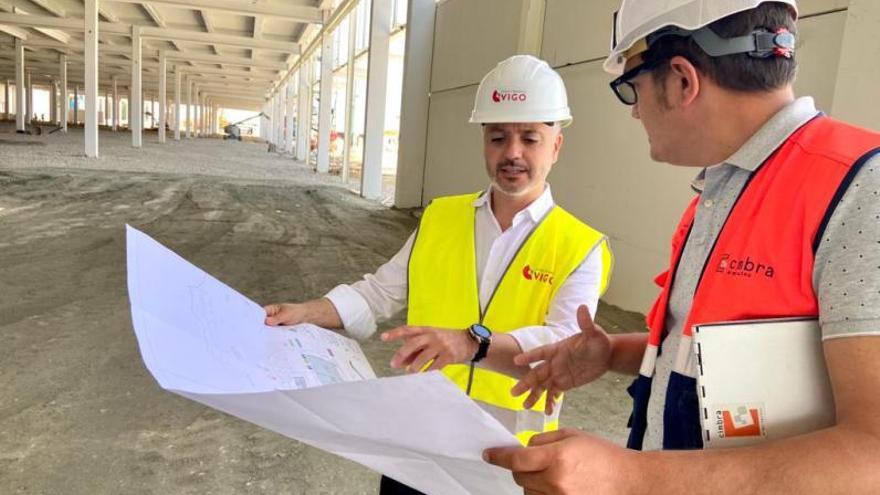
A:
<point x="575" y="30"/>
<point x="818" y="54"/>
<point x="454" y="163"/>
<point x="470" y="38"/>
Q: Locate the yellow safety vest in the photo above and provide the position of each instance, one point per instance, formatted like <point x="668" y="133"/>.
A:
<point x="443" y="292"/>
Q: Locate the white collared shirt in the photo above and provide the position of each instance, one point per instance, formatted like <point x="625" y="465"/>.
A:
<point x="381" y="295"/>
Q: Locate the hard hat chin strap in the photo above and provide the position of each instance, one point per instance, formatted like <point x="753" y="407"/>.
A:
<point x="761" y="43"/>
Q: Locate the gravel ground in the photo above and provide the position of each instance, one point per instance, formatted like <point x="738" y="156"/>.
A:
<point x="79" y="413"/>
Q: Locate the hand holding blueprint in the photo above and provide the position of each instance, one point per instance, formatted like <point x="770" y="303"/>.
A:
<point x="203" y="340"/>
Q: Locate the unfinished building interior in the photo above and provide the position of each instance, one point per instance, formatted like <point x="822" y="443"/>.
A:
<point x="285" y="147"/>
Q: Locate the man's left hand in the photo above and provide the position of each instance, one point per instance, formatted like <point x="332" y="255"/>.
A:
<point x="567" y="461"/>
<point x="424" y="345"/>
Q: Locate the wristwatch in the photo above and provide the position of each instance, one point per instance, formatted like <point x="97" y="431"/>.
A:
<point x="483" y="337"/>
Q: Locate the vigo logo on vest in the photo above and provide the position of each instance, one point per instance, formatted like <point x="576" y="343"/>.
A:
<point x="499" y="96"/>
<point x="744" y="267"/>
<point x="537" y="275"/>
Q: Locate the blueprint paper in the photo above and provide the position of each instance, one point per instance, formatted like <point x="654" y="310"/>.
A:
<point x="205" y="341"/>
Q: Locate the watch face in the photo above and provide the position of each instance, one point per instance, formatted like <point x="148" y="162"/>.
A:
<point x="481" y="331"/>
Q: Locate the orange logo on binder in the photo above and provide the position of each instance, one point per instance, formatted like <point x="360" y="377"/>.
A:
<point x="741" y="421"/>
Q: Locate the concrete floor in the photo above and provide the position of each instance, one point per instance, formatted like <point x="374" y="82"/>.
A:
<point x="79" y="413"/>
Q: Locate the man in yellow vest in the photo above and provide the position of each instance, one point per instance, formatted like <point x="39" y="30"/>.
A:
<point x="486" y="275"/>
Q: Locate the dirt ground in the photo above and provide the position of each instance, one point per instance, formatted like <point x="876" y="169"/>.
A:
<point x="79" y="413"/>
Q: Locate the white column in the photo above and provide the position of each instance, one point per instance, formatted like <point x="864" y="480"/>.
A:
<point x="291" y="102"/>
<point x="163" y="97"/>
<point x="202" y="109"/>
<point x="91" y="77"/>
<point x="177" y="81"/>
<point x="135" y="97"/>
<point x="189" y="104"/>
<point x="325" y="107"/>
<point x="349" y="102"/>
<point x="415" y="102"/>
<point x="75" y="104"/>
<point x="53" y="100"/>
<point x="30" y="97"/>
<point x="280" y="129"/>
<point x="197" y="128"/>
<point x="20" y="109"/>
<point x="115" y="104"/>
<point x="377" y="91"/>
<point x="303" y="114"/>
<point x="65" y="103"/>
<point x="6" y="99"/>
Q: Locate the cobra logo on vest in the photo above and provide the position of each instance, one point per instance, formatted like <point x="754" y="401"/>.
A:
<point x="744" y="267"/>
<point x="740" y="420"/>
<point x="537" y="275"/>
<point x="500" y="96"/>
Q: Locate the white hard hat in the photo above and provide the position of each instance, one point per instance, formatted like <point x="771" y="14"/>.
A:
<point x="521" y="89"/>
<point x="637" y="19"/>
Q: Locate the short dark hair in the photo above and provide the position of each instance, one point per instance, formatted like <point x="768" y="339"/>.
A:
<point x="738" y="72"/>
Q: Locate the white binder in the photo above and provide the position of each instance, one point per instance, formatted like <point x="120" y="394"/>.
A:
<point x="761" y="380"/>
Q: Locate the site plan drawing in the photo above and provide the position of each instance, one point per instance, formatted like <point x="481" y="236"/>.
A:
<point x="203" y="340"/>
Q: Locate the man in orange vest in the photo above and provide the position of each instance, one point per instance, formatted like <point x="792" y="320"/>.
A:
<point x="784" y="188"/>
<point x="486" y="275"/>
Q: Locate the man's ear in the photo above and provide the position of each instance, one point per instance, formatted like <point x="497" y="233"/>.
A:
<point x="684" y="81"/>
<point x="557" y="145"/>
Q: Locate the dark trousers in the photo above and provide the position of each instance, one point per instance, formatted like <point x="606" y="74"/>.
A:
<point x="388" y="486"/>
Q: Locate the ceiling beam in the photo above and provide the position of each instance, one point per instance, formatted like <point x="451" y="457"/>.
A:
<point x="295" y="13"/>
<point x="50" y="6"/>
<point x="220" y="39"/>
<point x="77" y="25"/>
<point x="52" y="33"/>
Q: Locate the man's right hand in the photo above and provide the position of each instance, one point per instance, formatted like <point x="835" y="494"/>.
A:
<point x="285" y="314"/>
<point x="567" y="364"/>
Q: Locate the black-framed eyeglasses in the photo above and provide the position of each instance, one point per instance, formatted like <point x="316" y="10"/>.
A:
<point x="623" y="86"/>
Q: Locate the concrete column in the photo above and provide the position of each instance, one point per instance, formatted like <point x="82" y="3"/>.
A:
<point x="135" y="97"/>
<point x="6" y="100"/>
<point x="115" y="104"/>
<point x="291" y="103"/>
<point x="189" y="109"/>
<point x="29" y="97"/>
<point x="197" y="125"/>
<point x="178" y="81"/>
<point x="377" y="91"/>
<point x="415" y="102"/>
<point x="349" y="102"/>
<point x="163" y="96"/>
<point x="303" y="113"/>
<point x="53" y="91"/>
<point x="281" y="104"/>
<point x="178" y="76"/>
<point x="20" y="109"/>
<point x="273" y="123"/>
<point x="325" y="108"/>
<point x="202" y="109"/>
<point x="107" y="108"/>
<point x="91" y="77"/>
<point x="65" y="103"/>
<point x="53" y="100"/>
<point x="75" y="104"/>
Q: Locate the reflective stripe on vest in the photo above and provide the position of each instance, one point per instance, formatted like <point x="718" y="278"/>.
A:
<point x="762" y="263"/>
<point x="443" y="291"/>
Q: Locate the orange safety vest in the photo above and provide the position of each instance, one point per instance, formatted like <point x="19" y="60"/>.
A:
<point x="762" y="263"/>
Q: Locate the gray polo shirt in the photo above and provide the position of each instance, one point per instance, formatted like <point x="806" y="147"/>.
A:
<point x="847" y="266"/>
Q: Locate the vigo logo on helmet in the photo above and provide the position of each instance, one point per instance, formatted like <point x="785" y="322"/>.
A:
<point x="500" y="96"/>
<point x="537" y="275"/>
